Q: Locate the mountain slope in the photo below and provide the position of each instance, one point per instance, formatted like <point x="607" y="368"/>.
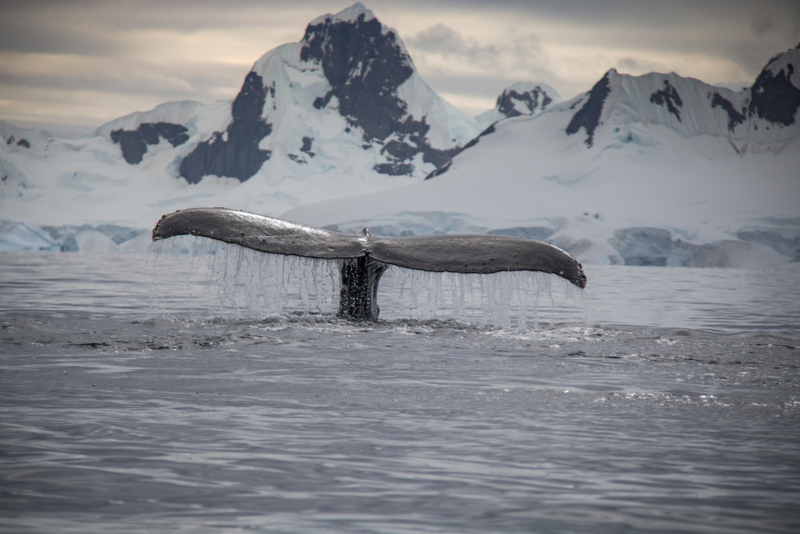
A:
<point x="646" y="170"/>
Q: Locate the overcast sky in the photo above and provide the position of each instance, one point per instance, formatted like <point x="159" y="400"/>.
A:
<point x="71" y="65"/>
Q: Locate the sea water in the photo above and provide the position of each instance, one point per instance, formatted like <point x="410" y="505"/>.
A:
<point x="218" y="392"/>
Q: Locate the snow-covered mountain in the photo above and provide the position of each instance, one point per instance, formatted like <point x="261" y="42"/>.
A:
<point x="654" y="169"/>
<point x="522" y="98"/>
<point x="643" y="170"/>
<point x="343" y="111"/>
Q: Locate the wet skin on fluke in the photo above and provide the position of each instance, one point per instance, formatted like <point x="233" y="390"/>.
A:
<point x="366" y="256"/>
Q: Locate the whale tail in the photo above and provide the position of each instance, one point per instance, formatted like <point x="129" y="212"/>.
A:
<point x="366" y="257"/>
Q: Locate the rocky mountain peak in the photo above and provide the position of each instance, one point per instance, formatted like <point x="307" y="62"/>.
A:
<point x="347" y="66"/>
<point x="526" y="99"/>
<point x="776" y="91"/>
<point x="521" y="98"/>
<point x="365" y="63"/>
<point x="588" y="116"/>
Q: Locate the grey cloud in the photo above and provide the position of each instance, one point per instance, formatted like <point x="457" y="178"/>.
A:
<point x="639" y="65"/>
<point x="527" y="51"/>
<point x="46" y="27"/>
<point x="89" y="27"/>
<point x="750" y="57"/>
<point x="442" y="40"/>
<point x="746" y="32"/>
<point x="15" y="38"/>
<point x="522" y="51"/>
<point x="761" y="25"/>
<point x="202" y="81"/>
<point x="644" y="12"/>
<point x="119" y="87"/>
<point x="771" y="34"/>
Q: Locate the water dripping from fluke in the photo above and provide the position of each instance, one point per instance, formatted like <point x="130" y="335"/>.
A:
<point x="363" y="258"/>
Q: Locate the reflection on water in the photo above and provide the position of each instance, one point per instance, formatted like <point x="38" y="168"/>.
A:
<point x="675" y="407"/>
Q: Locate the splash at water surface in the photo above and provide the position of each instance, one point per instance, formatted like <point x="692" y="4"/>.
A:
<point x="226" y="280"/>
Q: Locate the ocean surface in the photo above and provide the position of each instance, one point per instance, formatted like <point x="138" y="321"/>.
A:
<point x="219" y="393"/>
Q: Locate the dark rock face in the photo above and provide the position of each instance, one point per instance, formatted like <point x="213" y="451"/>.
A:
<point x="306" y="149"/>
<point x="307" y="141"/>
<point x="134" y="142"/>
<point x="505" y="102"/>
<point x="235" y="153"/>
<point x="774" y="98"/>
<point x="440" y="171"/>
<point x="24" y="143"/>
<point x="364" y="68"/>
<point x="588" y="117"/>
<point x="443" y="168"/>
<point x="734" y="117"/>
<point x="669" y="97"/>
<point x="394" y="169"/>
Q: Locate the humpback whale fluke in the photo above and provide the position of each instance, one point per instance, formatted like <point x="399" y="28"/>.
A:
<point x="366" y="256"/>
